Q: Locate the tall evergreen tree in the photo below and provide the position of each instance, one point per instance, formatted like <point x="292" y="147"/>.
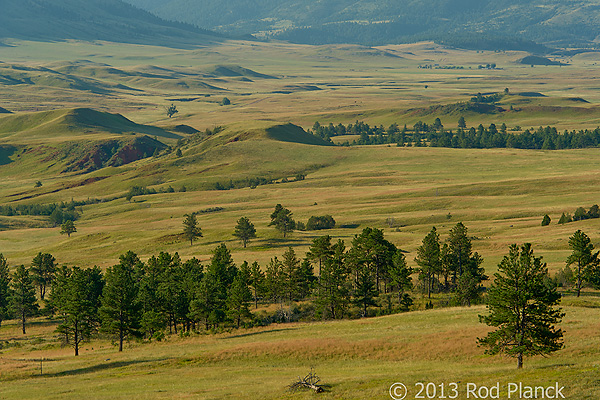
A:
<point x="257" y="282"/>
<point x="320" y="250"/>
<point x="428" y="259"/>
<point x="333" y="295"/>
<point x="43" y="268"/>
<point x="291" y="273"/>
<point x="191" y="230"/>
<point x="585" y="260"/>
<point x="522" y="306"/>
<point x="120" y="312"/>
<point x="78" y="303"/>
<point x="275" y="281"/>
<point x="238" y="298"/>
<point x="67" y="228"/>
<point x="400" y="277"/>
<point x="23" y="300"/>
<point x="244" y="230"/>
<point x="365" y="291"/>
<point x="282" y="220"/>
<point x="4" y="289"/>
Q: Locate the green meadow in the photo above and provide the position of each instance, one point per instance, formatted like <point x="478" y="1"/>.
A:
<point x="501" y="195"/>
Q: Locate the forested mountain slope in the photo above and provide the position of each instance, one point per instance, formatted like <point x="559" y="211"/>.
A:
<point x="112" y="20"/>
<point x="553" y="22"/>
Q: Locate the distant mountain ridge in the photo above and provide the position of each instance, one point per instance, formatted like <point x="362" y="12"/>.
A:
<point x="552" y="22"/>
<point x="110" y="20"/>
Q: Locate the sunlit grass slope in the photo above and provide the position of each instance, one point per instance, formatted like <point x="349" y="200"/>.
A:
<point x="357" y="359"/>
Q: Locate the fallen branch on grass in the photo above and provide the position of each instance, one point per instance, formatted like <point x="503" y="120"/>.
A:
<point x="310" y="381"/>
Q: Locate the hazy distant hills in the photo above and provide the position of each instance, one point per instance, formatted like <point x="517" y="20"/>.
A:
<point x="112" y="20"/>
<point x="507" y="22"/>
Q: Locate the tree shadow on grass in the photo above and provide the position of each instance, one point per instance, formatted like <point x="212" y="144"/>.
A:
<point x="101" y="367"/>
<point x="259" y="333"/>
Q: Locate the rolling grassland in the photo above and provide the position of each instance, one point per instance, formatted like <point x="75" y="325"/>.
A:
<point x="65" y="98"/>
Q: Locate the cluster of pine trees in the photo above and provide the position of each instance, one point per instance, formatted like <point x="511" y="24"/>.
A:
<point x="435" y="135"/>
<point x="166" y="294"/>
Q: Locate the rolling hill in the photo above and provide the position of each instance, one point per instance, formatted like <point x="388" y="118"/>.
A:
<point x="506" y="23"/>
<point x="111" y="20"/>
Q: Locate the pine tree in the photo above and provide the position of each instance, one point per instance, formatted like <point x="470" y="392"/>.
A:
<point x="320" y="250"/>
<point x="191" y="230"/>
<point x="546" y="220"/>
<point x="291" y="271"/>
<point x="400" y="273"/>
<point x="120" y="311"/>
<point x="257" y="282"/>
<point x="333" y="295"/>
<point x="522" y="306"/>
<point x="428" y="259"/>
<point x="365" y="291"/>
<point x="583" y="258"/>
<point x="238" y="298"/>
<point x="4" y="289"/>
<point x="67" y="228"/>
<point x="77" y="301"/>
<point x="43" y="268"/>
<point x="275" y="281"/>
<point x="23" y="301"/>
<point x="282" y="220"/>
<point x="244" y="230"/>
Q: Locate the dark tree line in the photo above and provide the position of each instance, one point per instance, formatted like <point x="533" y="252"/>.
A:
<point x="136" y="299"/>
<point x="480" y="137"/>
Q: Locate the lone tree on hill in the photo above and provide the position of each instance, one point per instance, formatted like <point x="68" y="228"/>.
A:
<point x="522" y="308"/>
<point x="67" y="228"/>
<point x="191" y="230"/>
<point x="23" y="301"/>
<point x="586" y="262"/>
<point x="244" y="230"/>
<point x="281" y="218"/>
<point x="172" y="110"/>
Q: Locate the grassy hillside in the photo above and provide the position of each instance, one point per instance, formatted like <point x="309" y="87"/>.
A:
<point x="356" y="360"/>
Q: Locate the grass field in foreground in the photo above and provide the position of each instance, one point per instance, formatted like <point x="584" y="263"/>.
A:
<point x="359" y="359"/>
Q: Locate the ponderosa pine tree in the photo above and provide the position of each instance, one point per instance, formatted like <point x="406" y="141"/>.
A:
<point x="291" y="273"/>
<point x="585" y="261"/>
<point x="400" y="277"/>
<point x="320" y="250"/>
<point x="191" y="230"/>
<point x="238" y="298"/>
<point x="522" y="308"/>
<point x="4" y="289"/>
<point x="78" y="301"/>
<point x="43" y="268"/>
<point x="23" y="300"/>
<point x="244" y="230"/>
<point x="67" y="228"/>
<point x="120" y="312"/>
<point x="257" y="282"/>
<point x="282" y="220"/>
<point x="333" y="295"/>
<point x="364" y="290"/>
<point x="428" y="259"/>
